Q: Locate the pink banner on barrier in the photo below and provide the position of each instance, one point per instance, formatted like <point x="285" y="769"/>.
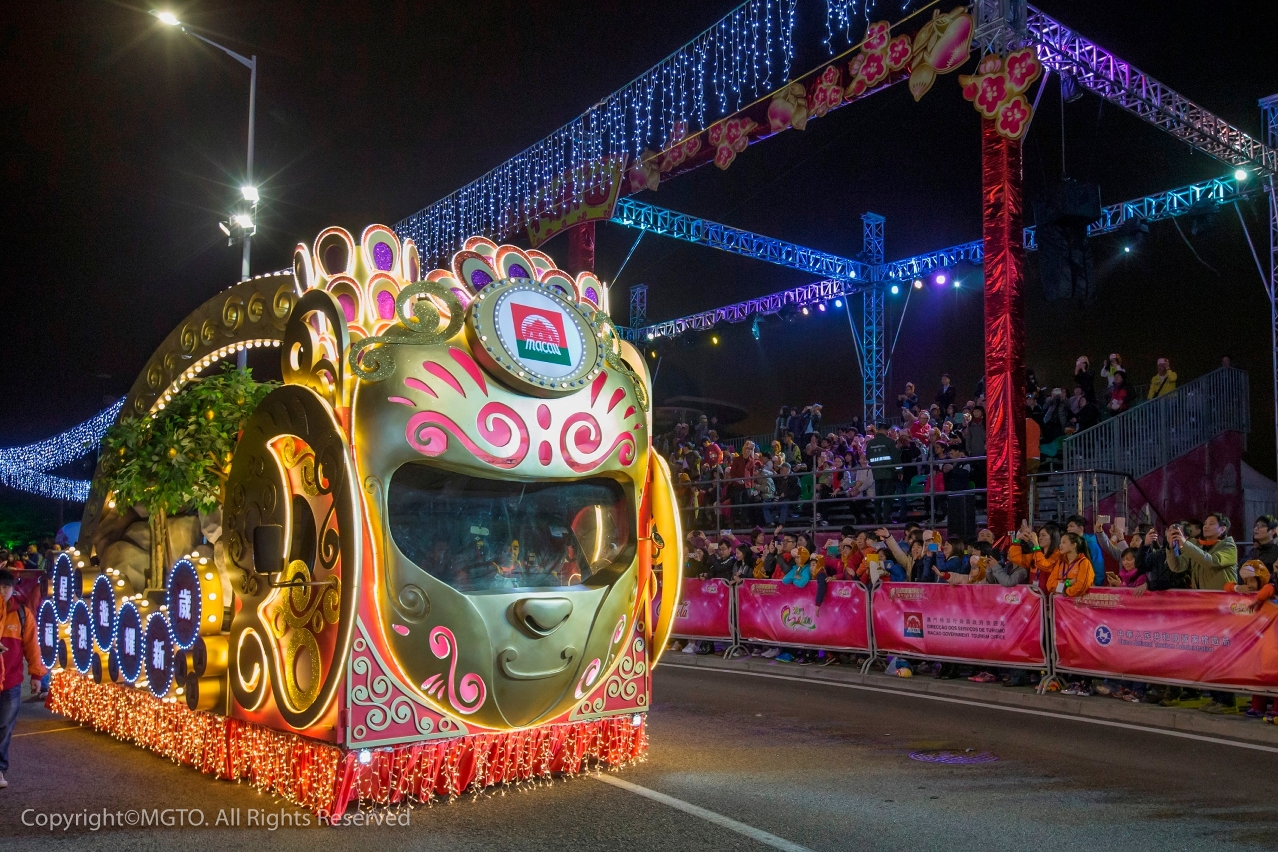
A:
<point x="703" y="610"/>
<point x="988" y="623"/>
<point x="777" y="613"/>
<point x="1182" y="636"/>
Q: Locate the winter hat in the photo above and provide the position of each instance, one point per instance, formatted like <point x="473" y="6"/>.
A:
<point x="804" y="554"/>
<point x="1257" y="569"/>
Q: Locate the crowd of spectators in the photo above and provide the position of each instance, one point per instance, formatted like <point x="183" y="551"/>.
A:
<point x="861" y="471"/>
<point x="1070" y="560"/>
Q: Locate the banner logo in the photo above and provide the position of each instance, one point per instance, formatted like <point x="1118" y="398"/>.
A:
<point x="914" y="625"/>
<point x="795" y="618"/>
<point x="1103" y="635"/>
<point x="539" y="334"/>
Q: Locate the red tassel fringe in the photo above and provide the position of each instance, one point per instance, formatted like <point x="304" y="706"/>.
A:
<point x="326" y="779"/>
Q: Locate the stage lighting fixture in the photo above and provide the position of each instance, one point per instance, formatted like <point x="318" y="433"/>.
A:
<point x="957" y="282"/>
<point x="821" y="306"/>
<point x="250" y="193"/>
<point x="895" y="290"/>
<point x="651" y="335"/>
<point x="1240" y="175"/>
<point x="1127" y="249"/>
<point x="754" y="328"/>
<point x="805" y="310"/>
<point x="227" y="230"/>
<point x="918" y="283"/>
<point x="940" y="278"/>
<point x="838" y="303"/>
<point x="714" y="340"/>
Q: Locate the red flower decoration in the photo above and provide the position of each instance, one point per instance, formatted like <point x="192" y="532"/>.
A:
<point x="876" y="35"/>
<point x="1023" y="68"/>
<point x="854" y="67"/>
<point x="898" y="52"/>
<point x="1013" y="118"/>
<point x="857" y="88"/>
<point x="991" y="92"/>
<point x="730" y="138"/>
<point x="826" y="94"/>
<point x="874" y="69"/>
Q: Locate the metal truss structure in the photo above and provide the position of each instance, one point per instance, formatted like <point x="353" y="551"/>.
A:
<point x="638" y="305"/>
<point x="657" y="220"/>
<point x="873" y="322"/>
<point x="1269" y="121"/>
<point x="878" y="275"/>
<point x="1122" y="84"/>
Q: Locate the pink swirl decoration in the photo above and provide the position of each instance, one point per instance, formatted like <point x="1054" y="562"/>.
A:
<point x="497" y="423"/>
<point x="586" y="438"/>
<point x="587" y="678"/>
<point x="465" y="697"/>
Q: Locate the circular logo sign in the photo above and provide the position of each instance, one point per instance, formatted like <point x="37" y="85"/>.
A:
<point x="128" y="642"/>
<point x="1103" y="635"/>
<point x="184" y="601"/>
<point x="47" y="633"/>
<point x="157" y="655"/>
<point x="81" y="637"/>
<point x="63" y="583"/>
<point x="102" y="606"/>
<point x="534" y="337"/>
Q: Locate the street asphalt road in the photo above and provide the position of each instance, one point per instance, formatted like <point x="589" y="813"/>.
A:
<point x="736" y="762"/>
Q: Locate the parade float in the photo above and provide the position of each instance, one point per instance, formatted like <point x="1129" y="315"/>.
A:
<point x="432" y="563"/>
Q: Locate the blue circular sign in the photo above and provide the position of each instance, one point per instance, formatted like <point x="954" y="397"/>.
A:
<point x="157" y="655"/>
<point x="102" y="608"/>
<point x="47" y="632"/>
<point x="63" y="581"/>
<point x="1103" y="635"/>
<point x="128" y="642"/>
<point x="81" y="637"/>
<point x="184" y="599"/>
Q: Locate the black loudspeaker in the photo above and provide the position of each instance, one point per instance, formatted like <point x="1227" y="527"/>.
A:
<point x="1061" y="218"/>
<point x="961" y="516"/>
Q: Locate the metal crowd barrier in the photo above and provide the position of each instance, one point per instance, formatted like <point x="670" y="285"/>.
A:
<point x="1206" y="640"/>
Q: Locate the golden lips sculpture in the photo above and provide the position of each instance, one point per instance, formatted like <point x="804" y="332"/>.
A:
<point x="462" y="466"/>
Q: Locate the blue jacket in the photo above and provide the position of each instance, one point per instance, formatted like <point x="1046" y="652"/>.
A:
<point x="1098" y="558"/>
<point x="955" y="564"/>
<point x="800" y="577"/>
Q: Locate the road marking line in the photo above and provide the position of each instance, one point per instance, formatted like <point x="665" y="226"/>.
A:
<point x="709" y="816"/>
<point x="50" y="731"/>
<point x="1048" y="713"/>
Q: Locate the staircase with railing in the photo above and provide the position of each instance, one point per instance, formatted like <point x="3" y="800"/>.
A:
<point x="1103" y="461"/>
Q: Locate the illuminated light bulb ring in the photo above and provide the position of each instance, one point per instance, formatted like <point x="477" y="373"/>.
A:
<point x="62" y="583"/>
<point x="81" y="637"/>
<point x="157" y="655"/>
<point x="128" y="646"/>
<point x="102" y="608"/>
<point x="184" y="597"/>
<point x="47" y="633"/>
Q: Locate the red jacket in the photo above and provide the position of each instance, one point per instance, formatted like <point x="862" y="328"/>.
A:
<point x="19" y="641"/>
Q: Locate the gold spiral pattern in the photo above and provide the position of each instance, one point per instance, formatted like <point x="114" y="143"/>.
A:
<point x="421" y="322"/>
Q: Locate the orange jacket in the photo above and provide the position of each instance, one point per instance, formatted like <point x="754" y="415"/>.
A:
<point x="19" y="641"/>
<point x="1039" y="566"/>
<point x="1077" y="576"/>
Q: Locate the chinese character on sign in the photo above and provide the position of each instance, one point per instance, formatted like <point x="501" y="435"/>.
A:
<point x="130" y="641"/>
<point x="63" y="591"/>
<point x="82" y="636"/>
<point x="184" y="604"/>
<point x="48" y="635"/>
<point x="104" y="614"/>
<point x="157" y="654"/>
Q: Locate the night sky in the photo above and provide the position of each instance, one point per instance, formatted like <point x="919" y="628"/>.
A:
<point x="123" y="144"/>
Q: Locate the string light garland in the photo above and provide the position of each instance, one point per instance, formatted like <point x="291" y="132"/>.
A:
<point x="326" y="779"/>
<point x="744" y="55"/>
<point x="24" y="468"/>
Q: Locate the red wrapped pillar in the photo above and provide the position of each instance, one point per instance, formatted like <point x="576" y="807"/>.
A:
<point x="581" y="248"/>
<point x="1004" y="328"/>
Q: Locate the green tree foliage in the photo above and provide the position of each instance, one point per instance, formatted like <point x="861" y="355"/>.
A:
<point x="178" y="461"/>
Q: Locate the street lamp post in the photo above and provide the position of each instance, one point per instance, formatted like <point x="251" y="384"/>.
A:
<point x="245" y="224"/>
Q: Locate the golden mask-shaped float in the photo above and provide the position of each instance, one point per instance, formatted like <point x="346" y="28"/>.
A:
<point x="468" y="522"/>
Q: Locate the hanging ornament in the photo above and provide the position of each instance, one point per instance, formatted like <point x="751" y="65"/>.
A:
<point x="941" y="46"/>
<point x="997" y="90"/>
<point x="788" y="108"/>
<point x="879" y="56"/>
